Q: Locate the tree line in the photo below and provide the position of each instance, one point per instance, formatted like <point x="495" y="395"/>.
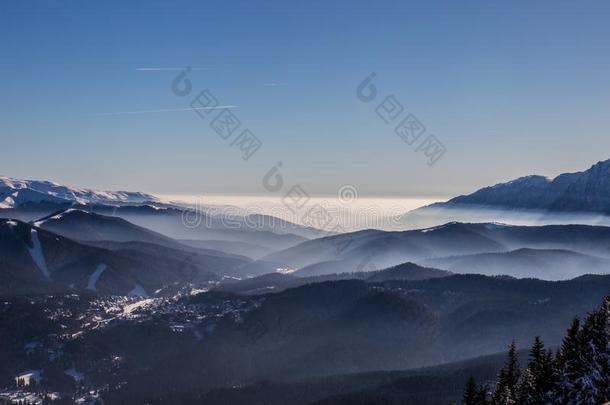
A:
<point x="578" y="373"/>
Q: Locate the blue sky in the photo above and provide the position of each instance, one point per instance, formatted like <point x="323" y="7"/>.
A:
<point x="509" y="88"/>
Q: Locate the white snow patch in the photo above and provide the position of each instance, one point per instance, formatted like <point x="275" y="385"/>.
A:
<point x="128" y="309"/>
<point x="95" y="276"/>
<point x="285" y="271"/>
<point x="91" y="398"/>
<point x="37" y="255"/>
<point x="28" y="376"/>
<point x="69" y="210"/>
<point x="57" y="217"/>
<point x="8" y="202"/>
<point x="436" y="228"/>
<point x="12" y="224"/>
<point x="195" y="291"/>
<point x="19" y="396"/>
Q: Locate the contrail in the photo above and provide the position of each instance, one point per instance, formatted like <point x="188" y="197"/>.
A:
<point x="165" y="68"/>
<point x="219" y="107"/>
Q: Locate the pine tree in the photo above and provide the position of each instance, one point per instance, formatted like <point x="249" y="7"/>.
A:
<point x="592" y="386"/>
<point x="538" y="383"/>
<point x="579" y="374"/>
<point x="474" y="394"/>
<point x="550" y="378"/>
<point x="586" y="386"/>
<point x="526" y="391"/>
<point x="481" y="398"/>
<point x="470" y="392"/>
<point x="571" y="366"/>
<point x="601" y="341"/>
<point x="536" y="368"/>
<point x="512" y="367"/>
<point x="507" y="388"/>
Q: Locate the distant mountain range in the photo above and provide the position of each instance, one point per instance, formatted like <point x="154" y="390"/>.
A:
<point x="262" y="244"/>
<point x="487" y="247"/>
<point x="586" y="191"/>
<point x="525" y="262"/>
<point x="134" y="256"/>
<point x="277" y="282"/>
<point x="69" y="210"/>
<point x="17" y="193"/>
<point x="582" y="198"/>
<point x="582" y="192"/>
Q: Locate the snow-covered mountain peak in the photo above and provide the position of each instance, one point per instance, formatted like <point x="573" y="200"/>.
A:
<point x="585" y="191"/>
<point x="15" y="192"/>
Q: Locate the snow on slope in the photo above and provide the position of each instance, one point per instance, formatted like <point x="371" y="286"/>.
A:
<point x="586" y="191"/>
<point x="14" y="192"/>
<point x="26" y="195"/>
<point x="8" y="202"/>
<point x="58" y="216"/>
<point x="95" y="276"/>
<point x="37" y="255"/>
<point x="128" y="309"/>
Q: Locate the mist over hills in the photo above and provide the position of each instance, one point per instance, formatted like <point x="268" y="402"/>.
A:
<point x="230" y="303"/>
<point x="89" y="226"/>
<point x="587" y="246"/>
<point x="277" y="282"/>
<point x="546" y="264"/>
<point x="234" y="229"/>
<point x="33" y="200"/>
<point x="37" y="261"/>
